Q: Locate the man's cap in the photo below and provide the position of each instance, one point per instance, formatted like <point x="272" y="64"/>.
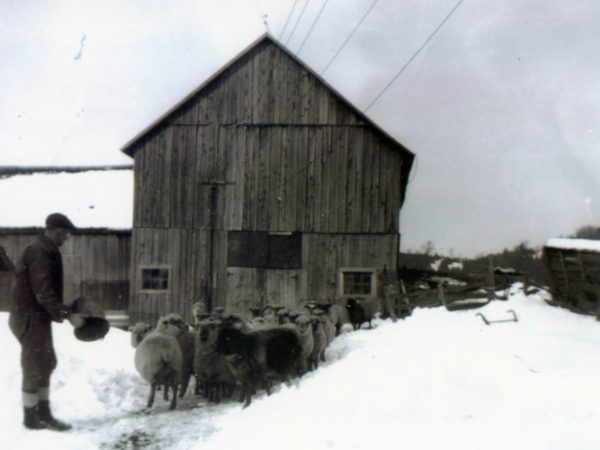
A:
<point x="58" y="220"/>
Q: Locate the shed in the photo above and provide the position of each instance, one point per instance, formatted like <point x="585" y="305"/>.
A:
<point x="262" y="186"/>
<point x="574" y="273"/>
<point x="96" y="257"/>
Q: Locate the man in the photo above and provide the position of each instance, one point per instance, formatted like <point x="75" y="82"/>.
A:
<point x="37" y="300"/>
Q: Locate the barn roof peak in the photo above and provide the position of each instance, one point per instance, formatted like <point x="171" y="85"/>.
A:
<point x="129" y="147"/>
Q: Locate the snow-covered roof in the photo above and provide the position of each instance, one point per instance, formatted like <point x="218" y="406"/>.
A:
<point x="574" y="244"/>
<point x="98" y="198"/>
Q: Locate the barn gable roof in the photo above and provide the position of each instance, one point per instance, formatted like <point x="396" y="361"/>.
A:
<point x="131" y="146"/>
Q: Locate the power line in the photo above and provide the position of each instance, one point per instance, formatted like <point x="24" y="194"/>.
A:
<point x="349" y="37"/>
<point x="312" y="26"/>
<point x="288" y="19"/>
<point x="298" y="21"/>
<point x="414" y="55"/>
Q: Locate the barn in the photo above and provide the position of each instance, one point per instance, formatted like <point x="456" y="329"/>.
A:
<point x="96" y="257"/>
<point x="262" y="186"/>
<point x="573" y="267"/>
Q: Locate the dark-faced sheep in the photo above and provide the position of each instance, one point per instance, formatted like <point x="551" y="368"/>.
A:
<point x="359" y="312"/>
<point x="215" y="375"/>
<point x="273" y="351"/>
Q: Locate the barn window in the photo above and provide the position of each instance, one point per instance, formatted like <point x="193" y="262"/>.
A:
<point x="261" y="249"/>
<point x="154" y="279"/>
<point x="357" y="282"/>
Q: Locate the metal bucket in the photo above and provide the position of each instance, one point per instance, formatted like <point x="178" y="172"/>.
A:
<point x="95" y="325"/>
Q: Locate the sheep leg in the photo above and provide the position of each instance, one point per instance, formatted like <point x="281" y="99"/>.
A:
<point x="198" y="388"/>
<point x="246" y="394"/>
<point x="151" y="397"/>
<point x="184" y="385"/>
<point x="174" y="398"/>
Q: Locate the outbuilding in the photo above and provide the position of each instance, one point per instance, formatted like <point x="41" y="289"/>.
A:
<point x="98" y="201"/>
<point x="574" y="273"/>
<point x="262" y="186"/>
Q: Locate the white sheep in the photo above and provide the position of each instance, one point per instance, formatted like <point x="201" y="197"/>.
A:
<point x="158" y="358"/>
<point x="304" y="328"/>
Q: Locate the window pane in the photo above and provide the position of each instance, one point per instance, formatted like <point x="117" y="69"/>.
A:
<point x="357" y="283"/>
<point x="155" y="279"/>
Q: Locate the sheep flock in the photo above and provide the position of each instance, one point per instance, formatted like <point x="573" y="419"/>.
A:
<point x="228" y="355"/>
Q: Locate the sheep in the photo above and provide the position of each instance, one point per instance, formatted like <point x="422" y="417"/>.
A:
<point x="214" y="372"/>
<point x="158" y="359"/>
<point x="304" y="326"/>
<point x="328" y="326"/>
<point x="138" y="332"/>
<point x="359" y="312"/>
<point x="338" y="315"/>
<point x="199" y="312"/>
<point x="320" y="342"/>
<point x="272" y="351"/>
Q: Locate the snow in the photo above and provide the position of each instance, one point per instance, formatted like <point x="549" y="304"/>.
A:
<point x="435" y="265"/>
<point x="456" y="265"/>
<point x="575" y="244"/>
<point x="435" y="380"/>
<point x="98" y="199"/>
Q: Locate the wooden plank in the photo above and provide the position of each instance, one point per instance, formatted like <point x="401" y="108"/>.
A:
<point x="342" y="180"/>
<point x="289" y="167"/>
<point x="311" y="187"/>
<point x="300" y="175"/>
<point x="326" y="179"/>
<point x="249" y="211"/>
<point x="270" y="171"/>
<point x="263" y="181"/>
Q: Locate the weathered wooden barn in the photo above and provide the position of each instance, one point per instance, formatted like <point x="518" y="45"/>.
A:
<point x="95" y="264"/>
<point x="96" y="257"/>
<point x="574" y="273"/>
<point x="264" y="185"/>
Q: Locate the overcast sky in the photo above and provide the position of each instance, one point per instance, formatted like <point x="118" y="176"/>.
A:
<point x="501" y="107"/>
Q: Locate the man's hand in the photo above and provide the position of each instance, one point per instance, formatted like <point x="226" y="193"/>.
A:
<point x="76" y="320"/>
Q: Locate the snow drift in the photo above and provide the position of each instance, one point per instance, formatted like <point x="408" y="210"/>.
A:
<point x="434" y="380"/>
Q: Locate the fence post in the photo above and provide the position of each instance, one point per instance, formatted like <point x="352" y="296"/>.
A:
<point x="491" y="294"/>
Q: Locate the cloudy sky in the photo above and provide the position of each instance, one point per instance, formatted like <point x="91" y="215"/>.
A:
<point x="501" y="107"/>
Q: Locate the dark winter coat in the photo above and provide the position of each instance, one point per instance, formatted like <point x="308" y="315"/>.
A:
<point x="36" y="300"/>
<point x="38" y="284"/>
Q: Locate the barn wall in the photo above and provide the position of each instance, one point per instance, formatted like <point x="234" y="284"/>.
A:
<point x="574" y="277"/>
<point x="95" y="266"/>
<point x="266" y="146"/>
<point x="274" y="178"/>
<point x="186" y="253"/>
<point x="323" y="256"/>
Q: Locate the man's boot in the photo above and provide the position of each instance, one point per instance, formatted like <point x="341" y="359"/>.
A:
<point x="46" y="418"/>
<point x="31" y="419"/>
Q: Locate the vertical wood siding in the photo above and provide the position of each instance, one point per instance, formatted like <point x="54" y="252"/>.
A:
<point x="94" y="265"/>
<point x="265" y="146"/>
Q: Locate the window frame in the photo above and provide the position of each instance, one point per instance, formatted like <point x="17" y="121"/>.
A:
<point x="143" y="290"/>
<point x="341" y="288"/>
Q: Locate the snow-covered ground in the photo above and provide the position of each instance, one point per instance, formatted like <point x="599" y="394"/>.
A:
<point x="437" y="380"/>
